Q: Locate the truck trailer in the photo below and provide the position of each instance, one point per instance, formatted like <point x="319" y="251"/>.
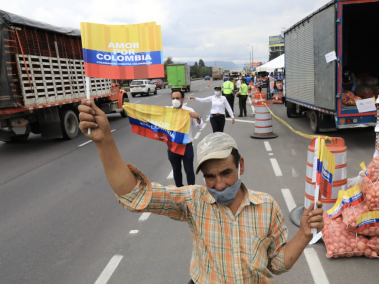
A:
<point x="42" y="81"/>
<point x="179" y="77"/>
<point x="314" y="86"/>
<point x="217" y="73"/>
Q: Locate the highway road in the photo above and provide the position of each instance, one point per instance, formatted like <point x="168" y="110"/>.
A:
<point x="61" y="223"/>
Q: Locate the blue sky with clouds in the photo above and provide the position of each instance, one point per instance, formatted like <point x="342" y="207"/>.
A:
<point x="210" y="30"/>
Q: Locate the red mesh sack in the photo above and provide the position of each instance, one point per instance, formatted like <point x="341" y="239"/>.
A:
<point x="370" y="81"/>
<point x="373" y="244"/>
<point x="277" y="99"/>
<point x="349" y="218"/>
<point x="342" y="243"/>
<point x="370" y="187"/>
<point x="363" y="90"/>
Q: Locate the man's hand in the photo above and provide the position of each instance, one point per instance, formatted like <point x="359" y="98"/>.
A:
<point x="194" y="115"/>
<point x="192" y="98"/>
<point x="312" y="218"/>
<point x="92" y="117"/>
<point x="233" y="120"/>
<point x="238" y="93"/>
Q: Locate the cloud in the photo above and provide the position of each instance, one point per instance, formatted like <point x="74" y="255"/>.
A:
<point x="208" y="29"/>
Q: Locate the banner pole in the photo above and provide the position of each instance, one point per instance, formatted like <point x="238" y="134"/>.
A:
<point x="88" y="95"/>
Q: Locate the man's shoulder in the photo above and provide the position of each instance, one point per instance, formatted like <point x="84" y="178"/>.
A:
<point x="187" y="108"/>
<point x="262" y="196"/>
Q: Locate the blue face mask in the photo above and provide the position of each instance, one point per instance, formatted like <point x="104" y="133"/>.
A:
<point x="217" y="93"/>
<point x="227" y="195"/>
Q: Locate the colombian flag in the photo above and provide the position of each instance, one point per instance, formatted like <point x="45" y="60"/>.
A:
<point x="169" y="125"/>
<point x="122" y="51"/>
<point x="327" y="171"/>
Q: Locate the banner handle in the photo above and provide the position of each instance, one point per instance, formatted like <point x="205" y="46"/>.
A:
<point x="88" y="95"/>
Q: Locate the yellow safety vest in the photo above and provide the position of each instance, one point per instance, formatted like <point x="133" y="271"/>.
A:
<point x="243" y="89"/>
<point x="228" y="87"/>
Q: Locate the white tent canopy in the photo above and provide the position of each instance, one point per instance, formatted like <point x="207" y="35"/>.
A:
<point x="270" y="66"/>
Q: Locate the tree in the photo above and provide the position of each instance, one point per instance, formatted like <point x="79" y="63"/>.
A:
<point x="201" y="63"/>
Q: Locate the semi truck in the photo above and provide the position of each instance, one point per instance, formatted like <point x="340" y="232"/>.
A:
<point x="42" y="81"/>
<point x="313" y="85"/>
<point x="217" y="73"/>
<point x="179" y="77"/>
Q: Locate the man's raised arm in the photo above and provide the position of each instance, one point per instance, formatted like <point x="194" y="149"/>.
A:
<point x="121" y="179"/>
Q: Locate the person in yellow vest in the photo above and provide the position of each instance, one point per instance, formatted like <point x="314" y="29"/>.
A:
<point x="227" y="91"/>
<point x="242" y="95"/>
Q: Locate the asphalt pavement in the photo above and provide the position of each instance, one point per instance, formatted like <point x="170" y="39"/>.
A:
<point x="61" y="223"/>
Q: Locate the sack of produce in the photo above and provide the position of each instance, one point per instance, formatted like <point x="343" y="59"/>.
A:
<point x="370" y="186"/>
<point x="373" y="244"/>
<point x="351" y="214"/>
<point x="351" y="182"/>
<point x="370" y="81"/>
<point x="277" y="99"/>
<point x="359" y="82"/>
<point x="368" y="224"/>
<point x="363" y="90"/>
<point x="342" y="243"/>
<point x="349" y="99"/>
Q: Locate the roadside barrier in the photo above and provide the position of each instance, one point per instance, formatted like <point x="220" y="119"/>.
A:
<point x="259" y="97"/>
<point x="337" y="146"/>
<point x="263" y="122"/>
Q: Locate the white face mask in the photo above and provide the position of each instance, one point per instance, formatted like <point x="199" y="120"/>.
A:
<point x="217" y="93"/>
<point x="176" y="103"/>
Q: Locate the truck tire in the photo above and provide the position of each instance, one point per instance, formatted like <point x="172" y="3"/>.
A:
<point x="148" y="92"/>
<point x="133" y="95"/>
<point x="314" y="120"/>
<point x="291" y="109"/>
<point x="125" y="99"/>
<point x="69" y="124"/>
<point x="188" y="88"/>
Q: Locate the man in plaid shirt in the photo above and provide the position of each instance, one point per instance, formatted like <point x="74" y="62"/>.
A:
<point x="239" y="235"/>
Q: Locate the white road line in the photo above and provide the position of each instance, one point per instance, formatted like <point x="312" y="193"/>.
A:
<point x="252" y="107"/>
<point x="240" y="120"/>
<point x="200" y="90"/>
<point x="133" y="232"/>
<point x="271" y="154"/>
<point x="113" y="130"/>
<point x="197" y="135"/>
<point x="288" y="199"/>
<point x="276" y="167"/>
<point x="191" y="94"/>
<point x="208" y="118"/>
<point x="85" y="143"/>
<point x="144" y="216"/>
<point x="293" y="152"/>
<point x="170" y="175"/>
<point x="109" y="269"/>
<point x="203" y="126"/>
<point x="294" y="173"/>
<point x="268" y="146"/>
<point x="136" y="102"/>
<point x="315" y="266"/>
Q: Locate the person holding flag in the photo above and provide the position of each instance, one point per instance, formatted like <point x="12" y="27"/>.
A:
<point x="238" y="233"/>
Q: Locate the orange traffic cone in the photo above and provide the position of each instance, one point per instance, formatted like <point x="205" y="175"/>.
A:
<point x="209" y="84"/>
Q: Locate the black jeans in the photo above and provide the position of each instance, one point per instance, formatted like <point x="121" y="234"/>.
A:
<point x="230" y="99"/>
<point x="176" y="163"/>
<point x="218" y="123"/>
<point x="242" y="102"/>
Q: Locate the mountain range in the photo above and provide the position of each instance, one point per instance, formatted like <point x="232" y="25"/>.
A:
<point x="224" y="64"/>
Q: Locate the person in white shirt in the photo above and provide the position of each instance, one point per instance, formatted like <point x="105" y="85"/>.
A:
<point x="238" y="83"/>
<point x="219" y="104"/>
<point x="176" y="159"/>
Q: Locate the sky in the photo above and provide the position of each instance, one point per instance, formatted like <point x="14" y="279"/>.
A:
<point x="191" y="30"/>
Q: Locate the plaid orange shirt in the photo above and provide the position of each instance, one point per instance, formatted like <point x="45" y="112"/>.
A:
<point x="226" y="248"/>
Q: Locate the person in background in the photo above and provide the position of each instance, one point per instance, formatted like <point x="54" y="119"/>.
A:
<point x="248" y="79"/>
<point x="219" y="104"/>
<point x="228" y="92"/>
<point x="280" y="77"/>
<point x="259" y="83"/>
<point x="239" y="83"/>
<point x="225" y="79"/>
<point x="271" y="75"/>
<point x="348" y="80"/>
<point x="176" y="160"/>
<point x="238" y="234"/>
<point x="278" y="88"/>
<point x="242" y="96"/>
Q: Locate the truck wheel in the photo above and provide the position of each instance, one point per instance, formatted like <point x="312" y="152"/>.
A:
<point x="314" y="120"/>
<point x="291" y="109"/>
<point x="19" y="138"/>
<point x="124" y="100"/>
<point x="148" y="92"/>
<point x="69" y="124"/>
<point x="133" y="95"/>
<point x="155" y="92"/>
<point x="188" y="88"/>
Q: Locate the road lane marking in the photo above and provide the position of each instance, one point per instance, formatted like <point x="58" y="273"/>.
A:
<point x="197" y="135"/>
<point x="276" y="167"/>
<point x="191" y="94"/>
<point x="288" y="199"/>
<point x="113" y="130"/>
<point x="252" y="107"/>
<point x="85" y="143"/>
<point x="170" y="175"/>
<point x="109" y="269"/>
<point x="203" y="126"/>
<point x="136" y="102"/>
<point x="294" y="173"/>
<point x="271" y="154"/>
<point x="318" y="273"/>
<point x="208" y="118"/>
<point x="268" y="146"/>
<point x="240" y="120"/>
<point x="144" y="216"/>
<point x="133" y="232"/>
<point x="293" y="152"/>
<point x="200" y="90"/>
